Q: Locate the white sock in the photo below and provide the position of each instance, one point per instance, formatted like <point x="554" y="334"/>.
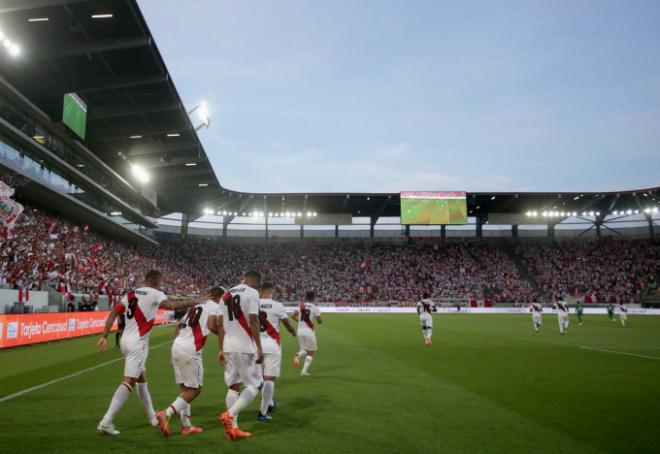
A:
<point x="267" y="395"/>
<point x="145" y="397"/>
<point x="185" y="416"/>
<point x="119" y="398"/>
<point x="230" y="400"/>
<point x="561" y="328"/>
<point x="247" y="396"/>
<point x="308" y="362"/>
<point x="177" y="406"/>
<point x="429" y="333"/>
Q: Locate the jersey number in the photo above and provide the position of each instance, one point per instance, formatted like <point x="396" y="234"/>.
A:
<point x="304" y="315"/>
<point x="263" y="321"/>
<point x="234" y="308"/>
<point x="132" y="305"/>
<point x="192" y="317"/>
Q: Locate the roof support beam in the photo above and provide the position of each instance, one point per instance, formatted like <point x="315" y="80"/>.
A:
<point x="14" y="6"/>
<point x="56" y="50"/>
<point x="111" y="134"/>
<point x="126" y="110"/>
<point x="91" y="84"/>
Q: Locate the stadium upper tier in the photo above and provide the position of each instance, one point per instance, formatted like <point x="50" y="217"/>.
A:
<point x="136" y="124"/>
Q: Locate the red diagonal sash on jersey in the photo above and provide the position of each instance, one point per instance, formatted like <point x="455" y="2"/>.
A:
<point x="200" y="338"/>
<point x="144" y="326"/>
<point x="307" y="320"/>
<point x="246" y="326"/>
<point x="271" y="331"/>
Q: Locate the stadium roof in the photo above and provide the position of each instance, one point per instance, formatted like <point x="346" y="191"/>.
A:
<point x="115" y="66"/>
<point x="136" y="115"/>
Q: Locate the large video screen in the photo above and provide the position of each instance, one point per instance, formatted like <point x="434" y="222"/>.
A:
<point x="74" y="114"/>
<point x="433" y="208"/>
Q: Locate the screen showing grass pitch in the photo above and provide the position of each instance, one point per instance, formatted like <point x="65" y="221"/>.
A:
<point x="74" y="114"/>
<point x="433" y="208"/>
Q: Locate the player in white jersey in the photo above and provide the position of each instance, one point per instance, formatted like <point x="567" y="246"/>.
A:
<point x="425" y="309"/>
<point x="623" y="314"/>
<point x="271" y="313"/>
<point x="537" y="318"/>
<point x="306" y="315"/>
<point x="240" y="349"/>
<point x="562" y="316"/>
<point x="140" y="307"/>
<point x="187" y="360"/>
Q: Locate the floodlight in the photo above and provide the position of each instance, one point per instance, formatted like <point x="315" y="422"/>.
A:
<point x="202" y="110"/>
<point x="140" y="173"/>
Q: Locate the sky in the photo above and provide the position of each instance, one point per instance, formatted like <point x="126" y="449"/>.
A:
<point x="393" y="95"/>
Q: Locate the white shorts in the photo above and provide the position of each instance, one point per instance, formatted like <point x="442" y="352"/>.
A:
<point x="271" y="365"/>
<point x="563" y="318"/>
<point x="536" y="318"/>
<point x="135" y="358"/>
<point x="426" y="321"/>
<point x="623" y="315"/>
<point x="188" y="369"/>
<point x="307" y="342"/>
<point x="242" y="368"/>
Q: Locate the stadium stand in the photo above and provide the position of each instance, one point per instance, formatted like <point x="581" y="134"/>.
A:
<point x="50" y="251"/>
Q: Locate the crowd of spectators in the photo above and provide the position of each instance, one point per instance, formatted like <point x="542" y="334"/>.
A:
<point x="49" y="251"/>
<point x="346" y="272"/>
<point x="597" y="271"/>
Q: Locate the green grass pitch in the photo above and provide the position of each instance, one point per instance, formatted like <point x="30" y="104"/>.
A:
<point x="489" y="384"/>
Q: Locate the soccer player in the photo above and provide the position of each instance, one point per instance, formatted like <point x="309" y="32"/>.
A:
<point x="562" y="316"/>
<point x="579" y="311"/>
<point x="610" y="311"/>
<point x="305" y="316"/>
<point x="623" y="314"/>
<point x="187" y="360"/>
<point x="425" y="308"/>
<point x="140" y="307"/>
<point x="240" y="349"/>
<point x="271" y="313"/>
<point x="536" y="309"/>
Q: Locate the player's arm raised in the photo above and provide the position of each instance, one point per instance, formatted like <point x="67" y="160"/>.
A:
<point x="179" y="305"/>
<point x="114" y="313"/>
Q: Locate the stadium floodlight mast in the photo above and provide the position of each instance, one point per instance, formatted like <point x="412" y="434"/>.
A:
<point x="203" y="113"/>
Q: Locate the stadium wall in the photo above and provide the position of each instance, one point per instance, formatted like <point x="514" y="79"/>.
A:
<point x="38" y="300"/>
<point x="26" y="329"/>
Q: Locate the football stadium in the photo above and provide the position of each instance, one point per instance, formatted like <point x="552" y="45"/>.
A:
<point x="425" y="318"/>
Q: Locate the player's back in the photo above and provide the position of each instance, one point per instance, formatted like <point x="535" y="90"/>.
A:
<point x="425" y="307"/>
<point x="194" y="326"/>
<point x="238" y="303"/>
<point x="270" y="314"/>
<point x="140" y="309"/>
<point x="308" y="313"/>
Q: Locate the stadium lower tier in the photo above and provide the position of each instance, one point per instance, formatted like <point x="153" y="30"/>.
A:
<point x="49" y="251"/>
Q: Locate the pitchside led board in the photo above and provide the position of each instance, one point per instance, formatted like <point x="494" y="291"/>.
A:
<point x="74" y="114"/>
<point x="433" y="208"/>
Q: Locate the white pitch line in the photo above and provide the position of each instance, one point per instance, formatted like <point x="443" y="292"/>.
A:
<point x="66" y="377"/>
<point x="621" y="353"/>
